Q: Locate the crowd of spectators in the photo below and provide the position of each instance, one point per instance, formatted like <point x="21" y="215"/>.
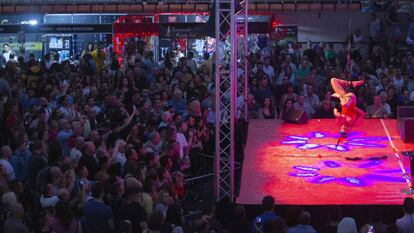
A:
<point x="298" y="220"/>
<point x="102" y="144"/>
<point x="97" y="146"/>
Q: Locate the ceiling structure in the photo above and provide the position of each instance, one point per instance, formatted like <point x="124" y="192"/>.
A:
<point x="151" y="6"/>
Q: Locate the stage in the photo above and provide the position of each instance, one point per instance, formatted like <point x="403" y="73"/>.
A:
<point x="301" y="165"/>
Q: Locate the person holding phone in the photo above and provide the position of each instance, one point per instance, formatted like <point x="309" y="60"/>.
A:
<point x="268" y="204"/>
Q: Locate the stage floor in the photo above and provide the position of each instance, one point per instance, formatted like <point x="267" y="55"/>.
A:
<point x="299" y="164"/>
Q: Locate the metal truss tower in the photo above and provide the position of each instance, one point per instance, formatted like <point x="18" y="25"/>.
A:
<point x="228" y="86"/>
<point x="240" y="58"/>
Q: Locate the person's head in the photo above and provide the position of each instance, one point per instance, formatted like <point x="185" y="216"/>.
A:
<point x="166" y="162"/>
<point x="327" y="104"/>
<point x="89" y="148"/>
<point x="301" y="100"/>
<point x="89" y="46"/>
<point x="263" y="81"/>
<point x="190" y="121"/>
<point x="304" y="218"/>
<point x="166" y="117"/>
<point x="154" y="138"/>
<point x="190" y="55"/>
<point x="64" y="124"/>
<point x="31" y="56"/>
<point x="174" y="214"/>
<point x="164" y="197"/>
<point x="6" y="152"/>
<point x="268" y="203"/>
<point x="290" y="88"/>
<point x="267" y="103"/>
<point x="37" y="146"/>
<point x="288" y="104"/>
<point x="292" y="215"/>
<point x="155" y="221"/>
<point x="239" y="212"/>
<point x="182" y="127"/>
<point x="6" y="48"/>
<point x="206" y="56"/>
<point x="384" y="95"/>
<point x="309" y="89"/>
<point x="97" y="190"/>
<point x="116" y="186"/>
<point x="201" y="226"/>
<point x="17" y="211"/>
<point x="398" y="73"/>
<point x="408" y="205"/>
<point x="266" y="60"/>
<point x="131" y="154"/>
<point x="8" y="199"/>
<point x="391" y="91"/>
<point x="347" y="225"/>
<point x="64" y="214"/>
<point x="377" y="100"/>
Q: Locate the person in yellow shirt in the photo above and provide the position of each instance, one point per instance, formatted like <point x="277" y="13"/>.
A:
<point x="99" y="57"/>
<point x="207" y="62"/>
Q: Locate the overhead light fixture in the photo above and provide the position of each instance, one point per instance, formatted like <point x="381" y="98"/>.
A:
<point x="33" y="22"/>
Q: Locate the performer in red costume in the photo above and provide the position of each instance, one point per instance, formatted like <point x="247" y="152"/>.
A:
<point x="350" y="113"/>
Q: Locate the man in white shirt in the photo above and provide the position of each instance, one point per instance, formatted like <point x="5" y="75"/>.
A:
<point x="75" y="152"/>
<point x="406" y="223"/>
<point x="311" y="98"/>
<point x="384" y="97"/>
<point x="185" y="145"/>
<point x="6" y="154"/>
<point x="120" y="156"/>
<point x="6" y="51"/>
<point x="191" y="62"/>
<point x="398" y="80"/>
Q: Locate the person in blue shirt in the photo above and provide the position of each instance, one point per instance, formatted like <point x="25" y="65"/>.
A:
<point x="178" y="103"/>
<point x="268" y="204"/>
<point x="303" y="225"/>
<point x="64" y="134"/>
<point x="29" y="100"/>
<point x="20" y="160"/>
<point x="98" y="215"/>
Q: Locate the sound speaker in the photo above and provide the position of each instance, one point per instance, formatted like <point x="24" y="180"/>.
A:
<point x="405" y="123"/>
<point x="296" y="116"/>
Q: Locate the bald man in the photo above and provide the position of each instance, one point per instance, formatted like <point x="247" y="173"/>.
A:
<point x="5" y="155"/>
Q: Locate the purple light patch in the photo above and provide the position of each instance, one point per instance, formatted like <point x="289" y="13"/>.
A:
<point x="389" y="171"/>
<point x="319" y="135"/>
<point x="331" y="164"/>
<point x="337" y="148"/>
<point x="353" y="181"/>
<point x="294" y="142"/>
<point x="385" y="178"/>
<point x="365" y="144"/>
<point x="368" y="139"/>
<point x="303" y="174"/>
<point x="323" y="179"/>
<point x="370" y="164"/>
<point x="298" y="137"/>
<point x="306" y="168"/>
<point x="308" y="146"/>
